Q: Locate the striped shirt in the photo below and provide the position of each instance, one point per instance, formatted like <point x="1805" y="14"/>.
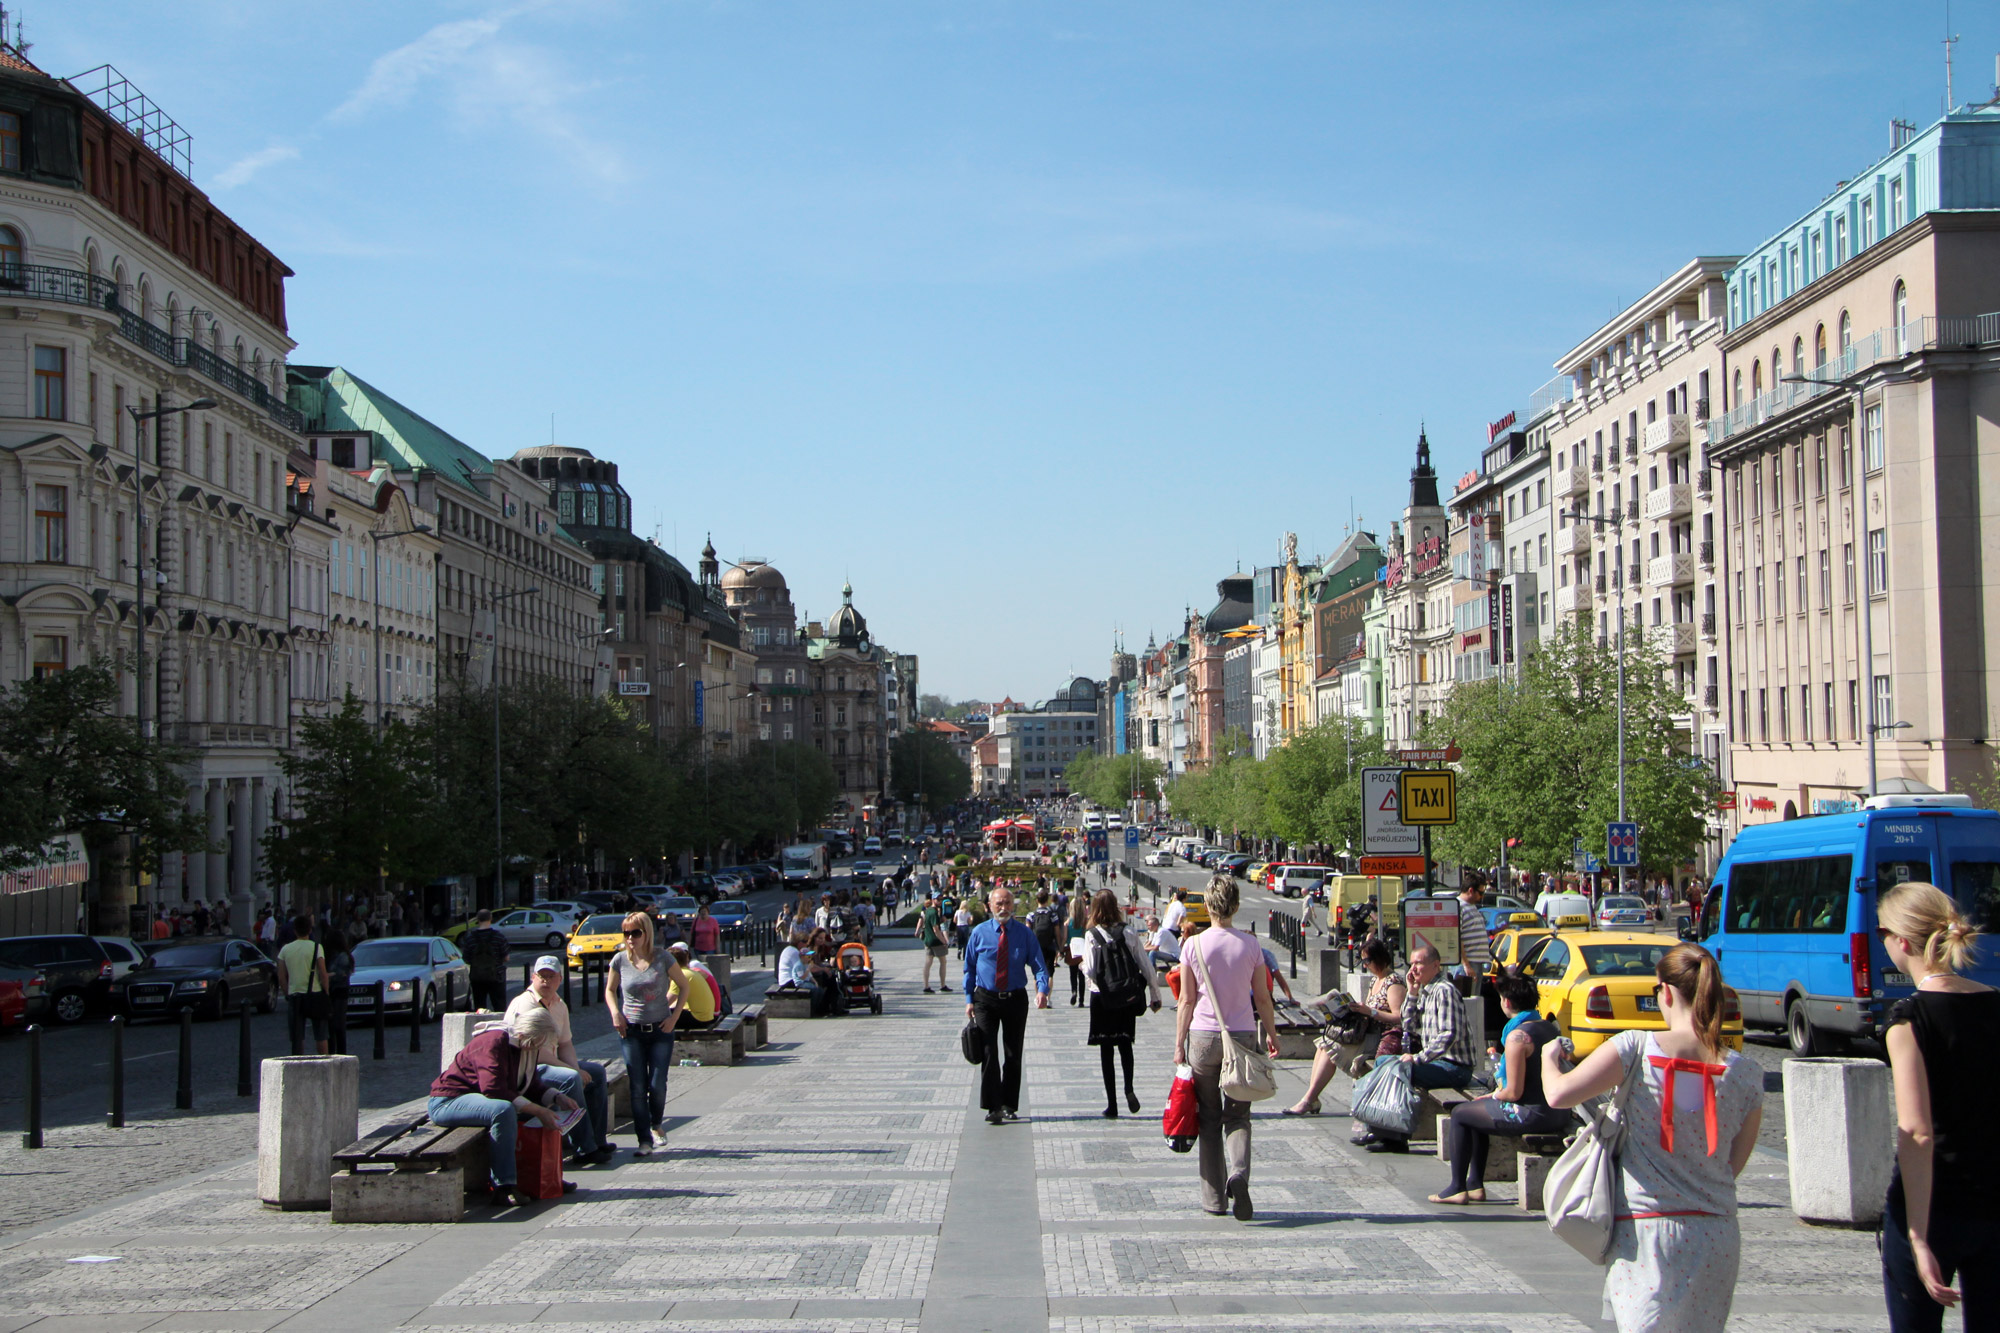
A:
<point x="1474" y="948"/>
<point x="1434" y="1026"/>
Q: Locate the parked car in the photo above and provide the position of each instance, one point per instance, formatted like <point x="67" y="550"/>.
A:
<point x="1235" y="863"/>
<point x="1295" y="880"/>
<point x="209" y="975"/>
<point x="731" y="882"/>
<point x="604" y="900"/>
<point x="536" y="927"/>
<point x="414" y="971"/>
<point x="1160" y="858"/>
<point x="23" y="995"/>
<point x="76" y="972"/>
<point x="597" y="936"/>
<point x="679" y="905"/>
<point x="700" y="886"/>
<point x="1596" y="984"/>
<point x="729" y="913"/>
<point x="1791" y="914"/>
<point x="124" y="954"/>
<point x="1498" y="908"/>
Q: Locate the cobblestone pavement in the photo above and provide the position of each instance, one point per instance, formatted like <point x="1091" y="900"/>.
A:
<point x="841" y="1181"/>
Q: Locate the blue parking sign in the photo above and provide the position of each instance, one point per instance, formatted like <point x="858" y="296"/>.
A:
<point x="1621" y="844"/>
<point x="1131" y="837"/>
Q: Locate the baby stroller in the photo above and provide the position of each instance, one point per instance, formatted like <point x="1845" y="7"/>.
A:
<point x="857" y="977"/>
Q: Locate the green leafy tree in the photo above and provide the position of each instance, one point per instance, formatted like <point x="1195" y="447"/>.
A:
<point x="70" y="764"/>
<point x="1541" y="759"/>
<point x="1313" y="783"/>
<point x="921" y="762"/>
<point x="1112" y="780"/>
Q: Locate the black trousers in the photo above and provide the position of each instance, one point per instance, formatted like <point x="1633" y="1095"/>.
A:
<point x="1003" y="1017"/>
<point x="490" y="992"/>
<point x="1968" y="1249"/>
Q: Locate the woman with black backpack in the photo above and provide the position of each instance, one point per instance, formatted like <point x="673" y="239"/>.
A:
<point x="1122" y="986"/>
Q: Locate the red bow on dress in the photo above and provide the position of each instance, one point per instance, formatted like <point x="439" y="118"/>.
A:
<point x="1708" y="1073"/>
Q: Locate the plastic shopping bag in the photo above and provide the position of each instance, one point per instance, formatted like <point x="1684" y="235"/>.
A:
<point x="1181" y="1121"/>
<point x="1384" y="1099"/>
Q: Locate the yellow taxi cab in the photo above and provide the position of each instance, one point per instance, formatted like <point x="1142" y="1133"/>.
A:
<point x="1254" y="872"/>
<point x="598" y="935"/>
<point x="1523" y="931"/>
<point x="1596" y="984"/>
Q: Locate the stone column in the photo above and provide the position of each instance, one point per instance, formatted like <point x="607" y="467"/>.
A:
<point x="239" y="847"/>
<point x="260" y="821"/>
<point x="216" y="875"/>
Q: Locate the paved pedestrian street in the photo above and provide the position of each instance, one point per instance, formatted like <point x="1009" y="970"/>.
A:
<point x="842" y="1181"/>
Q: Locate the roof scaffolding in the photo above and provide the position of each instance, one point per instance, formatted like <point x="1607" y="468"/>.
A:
<point x="139" y="114"/>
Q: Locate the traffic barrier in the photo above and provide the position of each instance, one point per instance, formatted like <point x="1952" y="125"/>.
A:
<point x="416" y="1021"/>
<point x="114" y="1115"/>
<point x="1840" y="1138"/>
<point x="1289" y="933"/>
<point x="184" y="1085"/>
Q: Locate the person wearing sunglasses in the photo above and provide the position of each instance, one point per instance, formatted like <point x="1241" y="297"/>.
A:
<point x="641" y="989"/>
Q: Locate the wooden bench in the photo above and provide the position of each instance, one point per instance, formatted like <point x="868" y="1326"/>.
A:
<point x="756" y="1032"/>
<point x="781" y="1003"/>
<point x="1299" y="1027"/>
<point x="718" y="1045"/>
<point x="409" y="1171"/>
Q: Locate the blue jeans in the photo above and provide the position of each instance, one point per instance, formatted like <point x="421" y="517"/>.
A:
<point x="1443" y="1074"/>
<point x="648" y="1056"/>
<point x="497" y="1118"/>
<point x="589" y="1133"/>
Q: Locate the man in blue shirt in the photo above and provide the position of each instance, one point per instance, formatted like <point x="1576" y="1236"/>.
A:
<point x="999" y="957"/>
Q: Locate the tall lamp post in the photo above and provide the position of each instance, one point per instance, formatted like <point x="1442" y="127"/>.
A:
<point x="1616" y="522"/>
<point x="141" y="572"/>
<point x="499" y="842"/>
<point x="376" y="539"/>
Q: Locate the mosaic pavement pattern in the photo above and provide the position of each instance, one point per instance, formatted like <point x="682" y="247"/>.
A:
<point x="738" y="1268"/>
<point x="1305" y="1199"/>
<point x="1147" y="1151"/>
<point x="758" y="1202"/>
<point x="805" y="1158"/>
<point x="1309" y="1323"/>
<point x="207" y="1208"/>
<point x="858" y="1126"/>
<point x="176" y="1278"/>
<point x="1319" y="1264"/>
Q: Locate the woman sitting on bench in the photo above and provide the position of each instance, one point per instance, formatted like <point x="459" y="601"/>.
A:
<point x="492" y="1082"/>
<point x="1518" y="1107"/>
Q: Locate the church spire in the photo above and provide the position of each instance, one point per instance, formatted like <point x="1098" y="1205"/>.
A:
<point x="1423" y="478"/>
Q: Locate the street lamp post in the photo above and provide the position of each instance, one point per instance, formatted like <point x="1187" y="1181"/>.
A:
<point x="1617" y="525"/>
<point x="499" y="841"/>
<point x="376" y="539"/>
<point x="140" y="574"/>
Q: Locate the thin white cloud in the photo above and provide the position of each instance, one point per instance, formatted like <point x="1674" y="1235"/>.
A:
<point x="487" y="81"/>
<point x="243" y="168"/>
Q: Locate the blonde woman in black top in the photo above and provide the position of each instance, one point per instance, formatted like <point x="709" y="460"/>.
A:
<point x="1944" y="1047"/>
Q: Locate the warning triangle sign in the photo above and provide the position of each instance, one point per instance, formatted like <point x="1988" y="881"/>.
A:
<point x="1388" y="805"/>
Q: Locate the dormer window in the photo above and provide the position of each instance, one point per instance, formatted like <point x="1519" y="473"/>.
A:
<point x="10" y="141"/>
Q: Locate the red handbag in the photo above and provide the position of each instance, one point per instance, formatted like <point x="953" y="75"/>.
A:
<point x="538" y="1157"/>
<point x="1181" y="1121"/>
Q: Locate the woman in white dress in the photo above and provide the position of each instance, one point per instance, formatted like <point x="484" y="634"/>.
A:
<point x="1691" y="1121"/>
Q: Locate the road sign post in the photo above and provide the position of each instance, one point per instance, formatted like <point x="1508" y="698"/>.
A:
<point x="1621" y="844"/>
<point x="1427" y="798"/>
<point x="1383" y="832"/>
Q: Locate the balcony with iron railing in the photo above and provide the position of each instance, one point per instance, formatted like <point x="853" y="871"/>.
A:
<point x="1708" y="625"/>
<point x="1632" y="510"/>
<point x="1932" y="333"/>
<point x="1710" y="697"/>
<point x="1600" y="585"/>
<point x="1704" y="485"/>
<point x="44" y="282"/>
<point x="1597" y="464"/>
<point x="1706" y="553"/>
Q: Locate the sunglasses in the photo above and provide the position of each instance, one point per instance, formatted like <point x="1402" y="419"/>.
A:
<point x="634" y="934"/>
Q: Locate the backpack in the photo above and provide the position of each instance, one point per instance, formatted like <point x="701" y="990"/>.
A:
<point x="1043" y="922"/>
<point x="1119" y="980"/>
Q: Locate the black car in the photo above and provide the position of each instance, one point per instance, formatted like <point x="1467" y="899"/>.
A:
<point x="76" y="972"/>
<point x="208" y="975"/>
<point x="699" y="886"/>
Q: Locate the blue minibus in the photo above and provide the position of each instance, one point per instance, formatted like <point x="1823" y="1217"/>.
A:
<point x="1791" y="914"/>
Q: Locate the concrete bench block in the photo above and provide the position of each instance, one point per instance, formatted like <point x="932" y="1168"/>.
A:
<point x="787" y="1003"/>
<point x="618" y="1091"/>
<point x="718" y="963"/>
<point x="309" y="1109"/>
<point x="1503" y="1156"/>
<point x="1327" y="974"/>
<point x="719" y="1045"/>
<point x="756" y="1031"/>
<point x="1534" y="1175"/>
<point x="1297" y="1043"/>
<point x="456" y="1029"/>
<point x="1840" y="1139"/>
<point x="401" y="1196"/>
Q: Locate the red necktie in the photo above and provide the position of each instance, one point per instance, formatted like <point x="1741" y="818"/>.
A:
<point x="1708" y="1074"/>
<point x="1000" y="961"/>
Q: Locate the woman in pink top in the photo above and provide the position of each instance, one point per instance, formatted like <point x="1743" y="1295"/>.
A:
<point x="1240" y="997"/>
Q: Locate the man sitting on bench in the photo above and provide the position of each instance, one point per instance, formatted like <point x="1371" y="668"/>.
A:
<point x="492" y="1083"/>
<point x="579" y="1080"/>
<point x="1436" y="1036"/>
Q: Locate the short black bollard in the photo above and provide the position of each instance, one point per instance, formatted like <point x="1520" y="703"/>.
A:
<point x="527" y="974"/>
<point x="114" y="1115"/>
<point x="243" y="1061"/>
<point x="566" y="995"/>
<point x="417" y="1021"/>
<point x="184" y="1085"/>
<point x="450" y="991"/>
<point x="381" y="1023"/>
<point x="33" y="1137"/>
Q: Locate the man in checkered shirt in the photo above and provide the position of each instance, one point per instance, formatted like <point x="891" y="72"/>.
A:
<point x="1436" y="1036"/>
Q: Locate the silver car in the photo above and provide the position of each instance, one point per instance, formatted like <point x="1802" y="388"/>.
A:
<point x="545" y="926"/>
<point x="416" y="972"/>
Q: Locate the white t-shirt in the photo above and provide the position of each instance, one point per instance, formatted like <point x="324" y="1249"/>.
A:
<point x="1176" y="913"/>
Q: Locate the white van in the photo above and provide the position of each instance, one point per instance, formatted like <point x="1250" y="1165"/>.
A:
<point x="1297" y="881"/>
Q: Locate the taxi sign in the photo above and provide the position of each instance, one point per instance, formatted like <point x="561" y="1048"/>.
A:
<point x="1427" y="796"/>
<point x="1523" y="919"/>
<point x="1574" y="921"/>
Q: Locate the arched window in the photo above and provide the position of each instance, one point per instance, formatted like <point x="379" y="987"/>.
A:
<point x="90" y="261"/>
<point x="1846" y="332"/>
<point x="1798" y="356"/>
<point x="173" y="315"/>
<point x="1736" y="395"/>
<point x="1819" y="346"/>
<point x="145" y="298"/>
<point x="239" y="354"/>
<point x="10" y="254"/>
<point x="1756" y="378"/>
<point x="1901" y="316"/>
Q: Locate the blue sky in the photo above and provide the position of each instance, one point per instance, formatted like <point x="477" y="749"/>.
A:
<point x="1033" y="319"/>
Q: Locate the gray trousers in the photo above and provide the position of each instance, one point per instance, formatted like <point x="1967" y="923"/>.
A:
<point x="1224" y="1146"/>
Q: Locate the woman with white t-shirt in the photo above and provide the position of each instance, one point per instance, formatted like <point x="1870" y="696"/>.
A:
<point x="1233" y="963"/>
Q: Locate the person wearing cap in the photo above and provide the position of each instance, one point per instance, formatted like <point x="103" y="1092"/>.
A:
<point x="582" y="1081"/>
<point x="704" y="1000"/>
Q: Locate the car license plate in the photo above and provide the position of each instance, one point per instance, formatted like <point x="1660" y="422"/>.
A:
<point x="1895" y="978"/>
<point x="1649" y="1004"/>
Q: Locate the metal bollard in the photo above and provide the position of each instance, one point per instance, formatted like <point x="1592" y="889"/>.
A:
<point x="566" y="994"/>
<point x="244" y="1064"/>
<point x="114" y="1115"/>
<point x="184" y="1086"/>
<point x="416" y="1023"/>
<point x="527" y="974"/>
<point x="450" y="991"/>
<point x="33" y="1137"/>
<point x="381" y="1022"/>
